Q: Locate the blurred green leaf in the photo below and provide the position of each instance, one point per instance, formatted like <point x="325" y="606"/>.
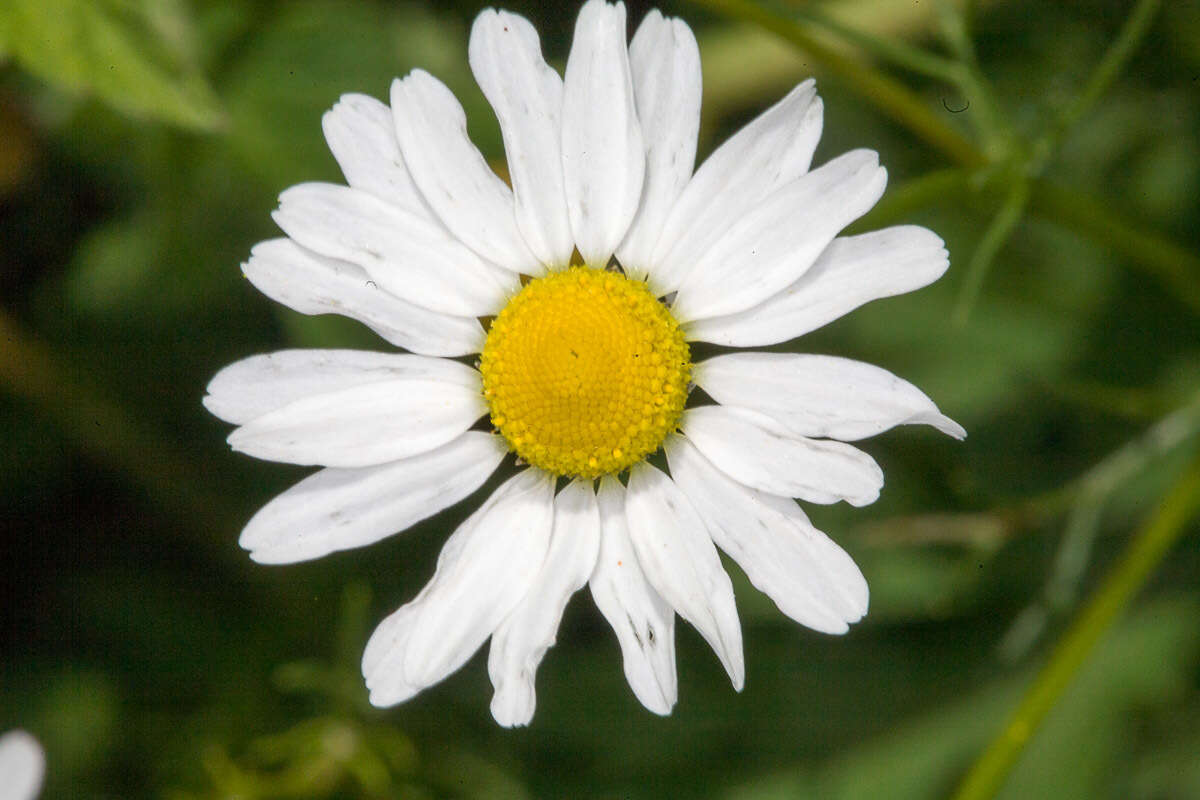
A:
<point x="136" y="55"/>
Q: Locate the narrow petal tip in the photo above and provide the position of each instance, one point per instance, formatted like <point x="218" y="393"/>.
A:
<point x="948" y="426"/>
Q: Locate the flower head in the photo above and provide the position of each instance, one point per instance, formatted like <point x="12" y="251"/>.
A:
<point x="580" y="288"/>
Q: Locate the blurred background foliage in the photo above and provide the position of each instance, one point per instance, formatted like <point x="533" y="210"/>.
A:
<point x="1056" y="148"/>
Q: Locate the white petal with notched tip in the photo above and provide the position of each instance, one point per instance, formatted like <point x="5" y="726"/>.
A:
<point x="484" y="569"/>
<point x="521" y="641"/>
<point x="643" y="622"/>
<point x="681" y="563"/>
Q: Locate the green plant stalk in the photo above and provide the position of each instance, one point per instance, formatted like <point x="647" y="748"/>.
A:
<point x="1149" y="546"/>
<point x="1174" y="265"/>
<point x="1172" y="431"/>
<point x="989" y="122"/>
<point x="953" y="22"/>
<point x="896" y="51"/>
<point x="997" y="233"/>
<point x="1136" y="25"/>
<point x="890" y="96"/>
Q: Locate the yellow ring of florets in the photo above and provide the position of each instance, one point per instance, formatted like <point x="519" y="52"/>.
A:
<point x="585" y="372"/>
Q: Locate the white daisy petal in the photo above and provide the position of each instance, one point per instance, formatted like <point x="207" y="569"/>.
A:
<point x="526" y="94"/>
<point x="774" y="243"/>
<point x="22" y="766"/>
<point x="258" y="385"/>
<point x="484" y="570"/>
<point x="407" y="254"/>
<point x="773" y="150"/>
<point x="339" y="509"/>
<point x="682" y="564"/>
<point x="521" y="641"/>
<point x="364" y="423"/>
<point x="455" y="180"/>
<point x="821" y="396"/>
<point x="383" y="658"/>
<point x="759" y="452"/>
<point x="603" y="157"/>
<point x="665" y="64"/>
<point x="362" y="137"/>
<point x="852" y="271"/>
<point x="643" y="621"/>
<point x="314" y="284"/>
<point x="810" y="578"/>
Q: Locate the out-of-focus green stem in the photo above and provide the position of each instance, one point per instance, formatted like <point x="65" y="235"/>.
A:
<point x="1088" y="496"/>
<point x="984" y="529"/>
<point x="1172" y="264"/>
<point x="1175" y="266"/>
<point x="990" y="123"/>
<point x="1172" y="431"/>
<point x="997" y="233"/>
<point x="896" y="51"/>
<point x="1137" y="24"/>
<point x="890" y="96"/>
<point x="1119" y="52"/>
<point x="1150" y="544"/>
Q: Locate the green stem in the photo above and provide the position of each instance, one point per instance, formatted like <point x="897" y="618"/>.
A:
<point x="1172" y="264"/>
<point x="953" y="21"/>
<point x="1172" y="431"/>
<point x="1092" y="492"/>
<point x="890" y="96"/>
<point x="1144" y="553"/>
<point x="896" y="51"/>
<point x="1137" y="24"/>
<point x="990" y="123"/>
<point x="997" y="233"/>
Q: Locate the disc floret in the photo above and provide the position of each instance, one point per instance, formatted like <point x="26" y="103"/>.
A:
<point x="585" y="372"/>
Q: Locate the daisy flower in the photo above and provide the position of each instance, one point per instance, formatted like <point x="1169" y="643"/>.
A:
<point x="22" y="766"/>
<point x="580" y="288"/>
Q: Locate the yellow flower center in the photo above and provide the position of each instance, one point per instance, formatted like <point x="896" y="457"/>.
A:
<point x="585" y="372"/>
